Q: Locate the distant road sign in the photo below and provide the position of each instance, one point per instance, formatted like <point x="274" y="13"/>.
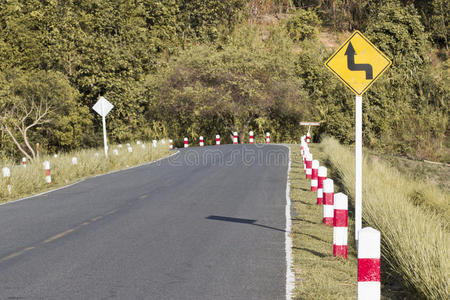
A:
<point x="358" y="63"/>
<point x="310" y="123"/>
<point x="103" y="107"/>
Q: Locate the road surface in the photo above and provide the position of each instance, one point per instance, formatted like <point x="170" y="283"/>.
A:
<point x="206" y="223"/>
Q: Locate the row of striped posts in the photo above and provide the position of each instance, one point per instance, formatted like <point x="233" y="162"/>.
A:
<point x="335" y="213"/>
<point x="235" y="139"/>
<point x="6" y="172"/>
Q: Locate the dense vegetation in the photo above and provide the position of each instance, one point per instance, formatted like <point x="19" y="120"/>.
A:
<point x="192" y="67"/>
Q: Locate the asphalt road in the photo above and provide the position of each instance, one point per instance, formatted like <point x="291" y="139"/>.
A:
<point x="206" y="223"/>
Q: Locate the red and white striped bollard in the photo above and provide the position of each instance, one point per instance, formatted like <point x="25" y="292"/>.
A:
<point x="321" y="176"/>
<point x="201" y="141"/>
<point x="308" y="138"/>
<point x="24" y="162"/>
<point x="369" y="286"/>
<point x="251" y="139"/>
<point x="186" y="142"/>
<point x="340" y="225"/>
<point x="235" y="138"/>
<point x="267" y="137"/>
<point x="309" y="159"/>
<point x="217" y="140"/>
<point x="170" y="144"/>
<point x="48" y="177"/>
<point x="314" y="175"/>
<point x="328" y="201"/>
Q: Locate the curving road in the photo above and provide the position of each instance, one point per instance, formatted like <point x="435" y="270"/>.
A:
<point x="206" y="223"/>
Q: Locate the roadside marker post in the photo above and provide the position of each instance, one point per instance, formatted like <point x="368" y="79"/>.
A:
<point x="48" y="177"/>
<point x="103" y="107"/>
<point x="328" y="201"/>
<point x="314" y="175"/>
<point x="7" y="175"/>
<point x="369" y="286"/>
<point x="358" y="77"/>
<point x="340" y="225"/>
<point x="155" y="143"/>
<point x="24" y="162"/>
<point x="74" y="160"/>
<point x="235" y="138"/>
<point x="251" y="139"/>
<point x="217" y="140"/>
<point x="308" y="134"/>
<point x="186" y="142"/>
<point x="202" y="142"/>
<point x="170" y="144"/>
<point x="267" y="137"/>
<point x="321" y="176"/>
<point x="309" y="159"/>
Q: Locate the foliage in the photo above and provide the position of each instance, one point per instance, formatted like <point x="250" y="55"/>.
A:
<point x="246" y="82"/>
<point x="303" y="24"/>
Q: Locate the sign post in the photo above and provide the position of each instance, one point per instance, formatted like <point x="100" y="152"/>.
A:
<point x="103" y="107"/>
<point x="309" y="124"/>
<point x="358" y="76"/>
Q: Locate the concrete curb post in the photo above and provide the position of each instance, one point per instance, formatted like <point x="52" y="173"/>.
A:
<point x="314" y="175"/>
<point x="7" y="175"/>
<point x="170" y="144"/>
<point x="321" y="176"/>
<point x="267" y="137"/>
<point x="340" y="225"/>
<point x="201" y="142"/>
<point x="369" y="286"/>
<point x="328" y="201"/>
<point x="235" y="138"/>
<point x="48" y="177"/>
<point x="217" y="140"/>
<point x="186" y="142"/>
<point x="251" y="139"/>
<point x="309" y="159"/>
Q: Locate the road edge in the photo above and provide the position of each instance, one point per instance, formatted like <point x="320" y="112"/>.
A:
<point x="290" y="277"/>
<point x="83" y="179"/>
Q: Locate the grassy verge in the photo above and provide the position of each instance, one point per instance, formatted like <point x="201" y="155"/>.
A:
<point x="319" y="275"/>
<point x="31" y="180"/>
<point x="412" y="218"/>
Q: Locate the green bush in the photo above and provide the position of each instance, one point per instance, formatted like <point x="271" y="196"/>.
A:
<point x="304" y="24"/>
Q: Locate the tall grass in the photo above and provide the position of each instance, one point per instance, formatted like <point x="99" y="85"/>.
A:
<point x="31" y="180"/>
<point x="414" y="236"/>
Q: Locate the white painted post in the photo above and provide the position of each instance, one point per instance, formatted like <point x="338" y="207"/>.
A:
<point x="48" y="177"/>
<point x="24" y="162"/>
<point x="314" y="175"/>
<point x="235" y="137"/>
<point x="104" y="135"/>
<point x="309" y="159"/>
<point x="7" y="175"/>
<point x="358" y="165"/>
<point x="328" y="201"/>
<point x="369" y="286"/>
<point x="74" y="160"/>
<point x="186" y="142"/>
<point x="138" y="142"/>
<point x="217" y="140"/>
<point x="251" y="139"/>
<point x="201" y="141"/>
<point x="170" y="144"/>
<point x="267" y="137"/>
<point x="129" y="149"/>
<point x="321" y="176"/>
<point x="155" y="143"/>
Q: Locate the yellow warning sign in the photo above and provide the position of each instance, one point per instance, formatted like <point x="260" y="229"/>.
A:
<point x="358" y="63"/>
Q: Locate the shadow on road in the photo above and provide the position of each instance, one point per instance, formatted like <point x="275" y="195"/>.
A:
<point x="243" y="221"/>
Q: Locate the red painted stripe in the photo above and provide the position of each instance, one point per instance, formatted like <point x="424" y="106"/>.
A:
<point x="340" y="251"/>
<point x="319" y="201"/>
<point x="328" y="221"/>
<point x="309" y="164"/>
<point x="315" y="173"/>
<point x="47" y="172"/>
<point x="320" y="182"/>
<point x="308" y="176"/>
<point x="368" y="269"/>
<point x="314" y="189"/>
<point x="340" y="218"/>
<point x="328" y="198"/>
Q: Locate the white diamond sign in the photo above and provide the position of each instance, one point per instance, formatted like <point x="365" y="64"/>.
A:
<point x="103" y="107"/>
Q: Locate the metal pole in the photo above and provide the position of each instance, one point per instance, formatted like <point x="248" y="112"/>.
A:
<point x="358" y="165"/>
<point x="104" y="135"/>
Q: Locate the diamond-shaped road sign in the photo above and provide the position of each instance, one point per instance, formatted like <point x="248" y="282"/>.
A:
<point x="358" y="63"/>
<point x="102" y="107"/>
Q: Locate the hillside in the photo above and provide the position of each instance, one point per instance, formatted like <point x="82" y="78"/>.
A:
<point x="184" y="68"/>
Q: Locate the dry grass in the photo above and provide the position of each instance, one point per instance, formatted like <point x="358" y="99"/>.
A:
<point x="415" y="240"/>
<point x="31" y="180"/>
